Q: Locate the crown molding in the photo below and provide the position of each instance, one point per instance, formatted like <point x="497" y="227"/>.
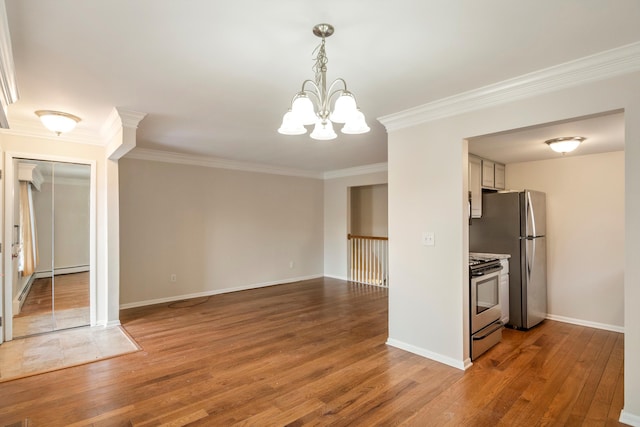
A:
<point x="120" y="118"/>
<point x="34" y="129"/>
<point x="355" y="171"/>
<point x="214" y="162"/>
<point x="603" y="65"/>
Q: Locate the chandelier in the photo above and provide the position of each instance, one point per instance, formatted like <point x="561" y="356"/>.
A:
<point x="312" y="105"/>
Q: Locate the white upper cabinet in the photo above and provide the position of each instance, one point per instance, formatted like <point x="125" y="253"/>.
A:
<point x="498" y="173"/>
<point x="475" y="185"/>
<point x="492" y="175"/>
<point x="488" y="173"/>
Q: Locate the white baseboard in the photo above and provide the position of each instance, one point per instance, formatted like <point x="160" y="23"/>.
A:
<point x="587" y="323"/>
<point x="631" y="419"/>
<point x="459" y="364"/>
<point x="215" y="292"/>
<point x="61" y="270"/>
<point x="337" y="277"/>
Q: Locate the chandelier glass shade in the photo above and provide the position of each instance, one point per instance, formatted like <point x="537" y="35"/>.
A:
<point x="57" y="121"/>
<point x="564" y="144"/>
<point x="312" y="105"/>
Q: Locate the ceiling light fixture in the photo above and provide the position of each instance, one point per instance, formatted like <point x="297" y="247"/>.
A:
<point x="565" y="144"/>
<point x="57" y="121"/>
<point x="312" y="105"/>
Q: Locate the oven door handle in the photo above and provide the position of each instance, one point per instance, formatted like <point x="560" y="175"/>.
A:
<point x="497" y="325"/>
<point x="486" y="272"/>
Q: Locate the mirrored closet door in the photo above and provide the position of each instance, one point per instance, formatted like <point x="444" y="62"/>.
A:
<point x="51" y="246"/>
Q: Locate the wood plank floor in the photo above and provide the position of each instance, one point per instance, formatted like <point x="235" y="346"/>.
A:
<point x="314" y="353"/>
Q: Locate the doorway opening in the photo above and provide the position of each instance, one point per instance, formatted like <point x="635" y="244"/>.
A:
<point x="368" y="249"/>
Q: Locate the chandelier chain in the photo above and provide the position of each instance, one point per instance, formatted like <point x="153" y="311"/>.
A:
<point x="320" y="64"/>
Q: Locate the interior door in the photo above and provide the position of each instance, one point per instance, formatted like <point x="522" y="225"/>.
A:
<point x="71" y="245"/>
<point x="32" y="265"/>
<point x="54" y="294"/>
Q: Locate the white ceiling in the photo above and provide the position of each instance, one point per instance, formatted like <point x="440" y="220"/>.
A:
<point x="604" y="133"/>
<point x="215" y="77"/>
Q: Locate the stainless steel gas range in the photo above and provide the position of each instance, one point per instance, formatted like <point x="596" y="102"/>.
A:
<point x="484" y="299"/>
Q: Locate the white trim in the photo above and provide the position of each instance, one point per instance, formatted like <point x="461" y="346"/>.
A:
<point x="355" y="171"/>
<point x="215" y="162"/>
<point x="61" y="270"/>
<point x="610" y="63"/>
<point x="628" y="418"/>
<point x="110" y="324"/>
<point x="458" y="364"/>
<point x="587" y="323"/>
<point x="35" y="129"/>
<point x="337" y="277"/>
<point x="216" y="292"/>
<point x="8" y="87"/>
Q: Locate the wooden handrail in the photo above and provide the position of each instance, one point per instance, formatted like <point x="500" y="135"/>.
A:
<point x="353" y="236"/>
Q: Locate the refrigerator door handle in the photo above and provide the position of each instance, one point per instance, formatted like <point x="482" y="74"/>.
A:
<point x="530" y="258"/>
<point x="530" y="216"/>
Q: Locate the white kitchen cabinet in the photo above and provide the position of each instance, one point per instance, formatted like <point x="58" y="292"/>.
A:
<point x="475" y="185"/>
<point x="488" y="178"/>
<point x="498" y="174"/>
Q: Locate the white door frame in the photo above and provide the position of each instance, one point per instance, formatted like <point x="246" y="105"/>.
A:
<point x="9" y="200"/>
<point x="4" y="249"/>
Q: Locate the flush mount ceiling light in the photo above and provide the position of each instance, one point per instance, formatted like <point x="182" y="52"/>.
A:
<point x="312" y="105"/>
<point x="565" y="144"/>
<point x="57" y="121"/>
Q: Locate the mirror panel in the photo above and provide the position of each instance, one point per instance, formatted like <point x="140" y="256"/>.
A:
<point x="54" y="293"/>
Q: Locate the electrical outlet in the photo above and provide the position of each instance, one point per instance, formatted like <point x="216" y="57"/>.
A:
<point x="173" y="278"/>
<point x="291" y="264"/>
<point x="428" y="238"/>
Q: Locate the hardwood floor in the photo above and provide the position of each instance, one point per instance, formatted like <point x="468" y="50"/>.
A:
<point x="314" y="353"/>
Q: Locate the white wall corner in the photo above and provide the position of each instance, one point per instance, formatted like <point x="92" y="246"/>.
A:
<point x="600" y="66"/>
<point x="119" y="131"/>
<point x="458" y="364"/>
<point x="631" y="419"/>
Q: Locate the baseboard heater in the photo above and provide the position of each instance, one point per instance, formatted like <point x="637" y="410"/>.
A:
<point x="25" y="291"/>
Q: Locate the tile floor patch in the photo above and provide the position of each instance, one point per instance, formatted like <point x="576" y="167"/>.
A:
<point x="62" y="349"/>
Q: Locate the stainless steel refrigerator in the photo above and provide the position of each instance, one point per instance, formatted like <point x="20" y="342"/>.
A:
<point x="515" y="223"/>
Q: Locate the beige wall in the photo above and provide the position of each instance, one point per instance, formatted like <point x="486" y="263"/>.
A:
<point x="585" y="234"/>
<point x="428" y="299"/>
<point x="369" y="210"/>
<point x="216" y="229"/>
<point x="336" y="219"/>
